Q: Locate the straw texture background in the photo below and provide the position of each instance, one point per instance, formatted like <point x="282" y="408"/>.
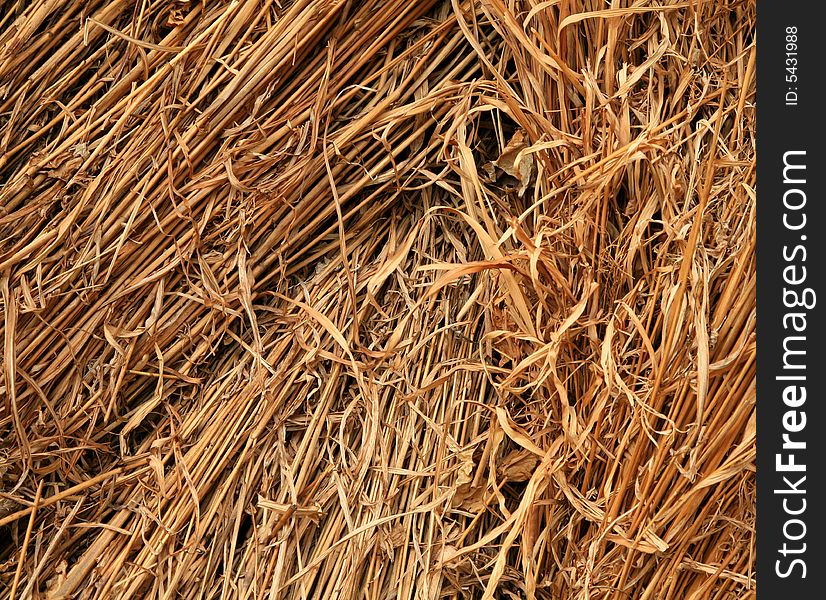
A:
<point x="377" y="299"/>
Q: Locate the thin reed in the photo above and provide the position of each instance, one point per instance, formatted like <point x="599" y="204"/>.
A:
<point x="377" y="299"/>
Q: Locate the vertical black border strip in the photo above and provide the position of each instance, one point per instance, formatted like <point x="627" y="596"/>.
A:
<point x="790" y="258"/>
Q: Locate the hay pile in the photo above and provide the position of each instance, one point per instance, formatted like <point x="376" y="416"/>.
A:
<point x="377" y="299"/>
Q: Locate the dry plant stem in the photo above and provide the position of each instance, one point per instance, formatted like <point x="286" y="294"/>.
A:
<point x="372" y="300"/>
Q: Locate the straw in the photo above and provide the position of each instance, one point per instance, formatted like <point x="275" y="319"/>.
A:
<point x="377" y="300"/>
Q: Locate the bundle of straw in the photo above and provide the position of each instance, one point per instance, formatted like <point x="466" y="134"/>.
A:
<point x="377" y="299"/>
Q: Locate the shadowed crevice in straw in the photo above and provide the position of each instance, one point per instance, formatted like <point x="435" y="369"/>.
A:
<point x="381" y="300"/>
